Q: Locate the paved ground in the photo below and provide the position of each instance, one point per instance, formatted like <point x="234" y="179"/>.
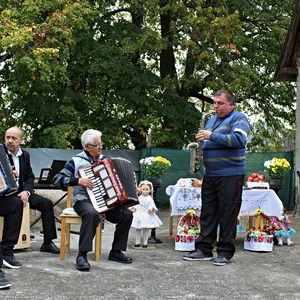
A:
<point x="158" y="273"/>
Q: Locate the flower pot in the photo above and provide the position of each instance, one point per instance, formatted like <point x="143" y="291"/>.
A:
<point x="276" y="184"/>
<point x="157" y="182"/>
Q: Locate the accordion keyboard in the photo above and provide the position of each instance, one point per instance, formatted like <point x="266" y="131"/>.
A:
<point x="103" y="193"/>
<point x="114" y="183"/>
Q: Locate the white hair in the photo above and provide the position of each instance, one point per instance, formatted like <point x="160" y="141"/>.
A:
<point x="89" y="136"/>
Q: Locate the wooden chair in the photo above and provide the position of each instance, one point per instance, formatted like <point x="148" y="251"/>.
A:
<point x="171" y="222"/>
<point x="298" y="194"/>
<point x="68" y="217"/>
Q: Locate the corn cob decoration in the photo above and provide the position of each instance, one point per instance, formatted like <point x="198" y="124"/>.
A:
<point x="261" y="224"/>
<point x="258" y="219"/>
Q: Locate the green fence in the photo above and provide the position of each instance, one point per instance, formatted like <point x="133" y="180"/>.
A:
<point x="180" y="160"/>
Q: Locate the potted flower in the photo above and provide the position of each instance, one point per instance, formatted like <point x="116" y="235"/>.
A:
<point x="154" y="167"/>
<point x="277" y="169"/>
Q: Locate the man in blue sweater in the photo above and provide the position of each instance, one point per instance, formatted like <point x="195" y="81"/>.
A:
<point x="224" y="148"/>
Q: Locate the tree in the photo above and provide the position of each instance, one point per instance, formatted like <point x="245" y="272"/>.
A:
<point x="40" y="36"/>
<point x="133" y="67"/>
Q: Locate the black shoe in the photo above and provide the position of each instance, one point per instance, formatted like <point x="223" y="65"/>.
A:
<point x="145" y="246"/>
<point x="11" y="262"/>
<point x="82" y="263"/>
<point x="119" y="256"/>
<point x="154" y="240"/>
<point x="4" y="283"/>
<point x="221" y="261"/>
<point x="197" y="255"/>
<point x="49" y="248"/>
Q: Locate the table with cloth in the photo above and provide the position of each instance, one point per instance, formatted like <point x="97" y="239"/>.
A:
<point x="184" y="197"/>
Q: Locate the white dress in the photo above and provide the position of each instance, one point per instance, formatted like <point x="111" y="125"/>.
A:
<point x="141" y="217"/>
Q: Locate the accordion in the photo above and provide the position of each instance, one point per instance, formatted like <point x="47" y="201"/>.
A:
<point x="7" y="181"/>
<point x="114" y="183"/>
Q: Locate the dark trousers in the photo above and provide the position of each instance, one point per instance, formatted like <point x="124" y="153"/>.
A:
<point x="45" y="206"/>
<point x="120" y="216"/>
<point x="11" y="208"/>
<point x="221" y="203"/>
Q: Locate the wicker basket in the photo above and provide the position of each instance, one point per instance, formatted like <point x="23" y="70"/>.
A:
<point x="188" y="230"/>
<point x="256" y="239"/>
<point x="259" y="243"/>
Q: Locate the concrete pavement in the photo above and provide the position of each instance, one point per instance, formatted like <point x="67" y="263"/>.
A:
<point x="158" y="273"/>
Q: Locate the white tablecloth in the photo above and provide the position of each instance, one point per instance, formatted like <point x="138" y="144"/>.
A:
<point x="184" y="198"/>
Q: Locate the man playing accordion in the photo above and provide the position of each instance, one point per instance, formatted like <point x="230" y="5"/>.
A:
<point x="121" y="216"/>
<point x="11" y="206"/>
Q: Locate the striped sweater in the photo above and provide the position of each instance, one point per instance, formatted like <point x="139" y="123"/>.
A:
<point x="224" y="153"/>
<point x="69" y="175"/>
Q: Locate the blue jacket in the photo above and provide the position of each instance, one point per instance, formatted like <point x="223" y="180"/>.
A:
<point x="224" y="154"/>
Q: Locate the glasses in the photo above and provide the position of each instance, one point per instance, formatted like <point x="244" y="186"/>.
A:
<point x="95" y="145"/>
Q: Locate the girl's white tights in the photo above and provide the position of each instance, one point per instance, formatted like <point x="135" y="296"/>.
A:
<point x="146" y="232"/>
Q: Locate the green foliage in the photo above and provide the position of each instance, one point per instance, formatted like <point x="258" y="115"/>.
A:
<point x="130" y="68"/>
<point x="264" y="138"/>
<point x="154" y="167"/>
<point x="277" y="168"/>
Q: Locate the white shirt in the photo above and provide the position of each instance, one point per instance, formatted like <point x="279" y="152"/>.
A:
<point x="16" y="160"/>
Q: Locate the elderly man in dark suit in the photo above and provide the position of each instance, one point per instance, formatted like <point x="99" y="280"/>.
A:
<point x="20" y="161"/>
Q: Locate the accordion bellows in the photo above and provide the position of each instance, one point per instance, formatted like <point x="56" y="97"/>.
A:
<point x="7" y="182"/>
<point x="3" y="185"/>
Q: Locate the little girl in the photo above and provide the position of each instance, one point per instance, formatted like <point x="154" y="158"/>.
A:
<point x="285" y="231"/>
<point x="144" y="214"/>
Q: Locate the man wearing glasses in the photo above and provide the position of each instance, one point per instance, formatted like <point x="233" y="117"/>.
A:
<point x="122" y="217"/>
